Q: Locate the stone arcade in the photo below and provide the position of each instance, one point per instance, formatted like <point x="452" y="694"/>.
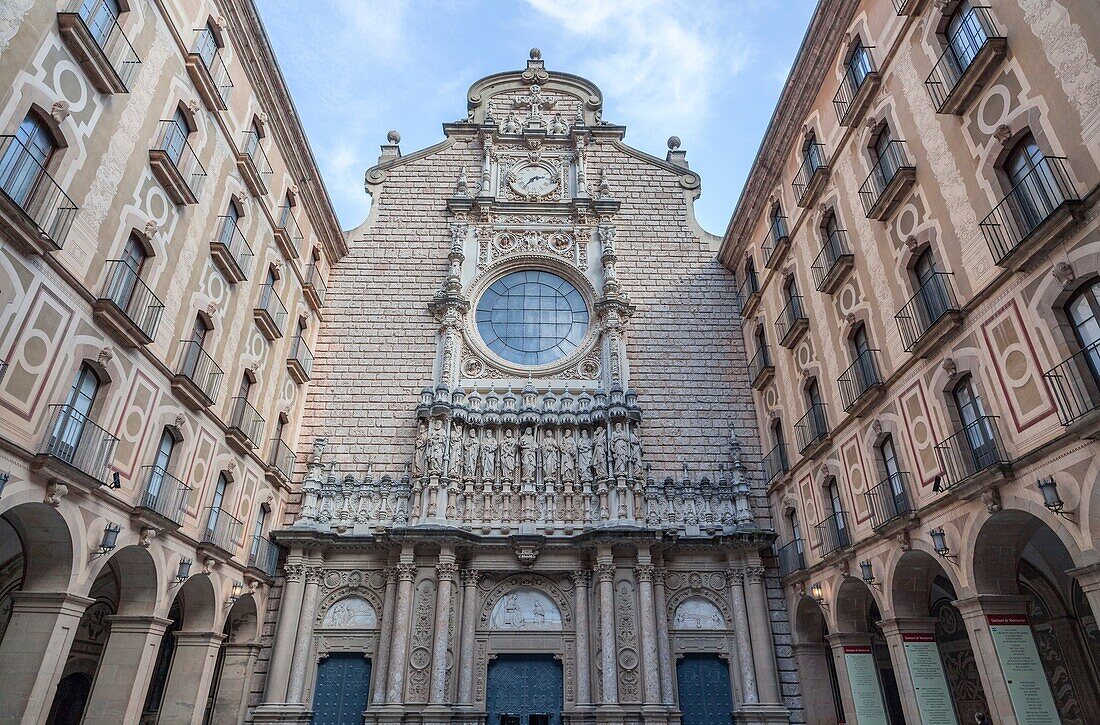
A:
<point x="560" y="522"/>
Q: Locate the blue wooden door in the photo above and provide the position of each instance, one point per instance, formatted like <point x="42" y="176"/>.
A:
<point x="705" y="696"/>
<point x="524" y="685"/>
<point x="343" y="684"/>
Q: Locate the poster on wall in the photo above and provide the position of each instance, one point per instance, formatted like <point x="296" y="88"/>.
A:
<point x="1023" y="670"/>
<point x="866" y="691"/>
<point x="929" y="681"/>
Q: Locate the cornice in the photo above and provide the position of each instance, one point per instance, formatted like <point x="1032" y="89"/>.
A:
<point x="814" y="59"/>
<point x="254" y="49"/>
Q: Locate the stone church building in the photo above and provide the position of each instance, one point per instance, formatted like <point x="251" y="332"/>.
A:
<point x="526" y="496"/>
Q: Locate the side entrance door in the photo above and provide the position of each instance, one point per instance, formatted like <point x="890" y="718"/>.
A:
<point x="343" y="682"/>
<point x="524" y="690"/>
<point x="704" y="685"/>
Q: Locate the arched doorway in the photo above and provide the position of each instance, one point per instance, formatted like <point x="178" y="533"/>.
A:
<point x="232" y="678"/>
<point x="72" y="696"/>
<point x="815" y="664"/>
<point x="524" y="689"/>
<point x="342" y="689"/>
<point x="705" y="696"/>
<point x="865" y="652"/>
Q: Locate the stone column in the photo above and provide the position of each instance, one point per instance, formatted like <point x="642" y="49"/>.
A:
<point x="290" y="611"/>
<point x="895" y="631"/>
<point x="399" y="644"/>
<point x="188" y="685"/>
<point x="382" y="661"/>
<point x="652" y="680"/>
<point x="837" y="643"/>
<point x="760" y="631"/>
<point x="605" y="572"/>
<point x="975" y="612"/>
<point x="33" y="652"/>
<point x="664" y="647"/>
<point x="466" y="662"/>
<point x="302" y="639"/>
<point x="445" y="573"/>
<point x="1088" y="577"/>
<point x="581" y="579"/>
<point x="231" y="699"/>
<point x="125" y="668"/>
<point x="745" y="658"/>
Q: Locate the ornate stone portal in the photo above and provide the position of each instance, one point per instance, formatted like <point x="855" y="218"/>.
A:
<point x="528" y="510"/>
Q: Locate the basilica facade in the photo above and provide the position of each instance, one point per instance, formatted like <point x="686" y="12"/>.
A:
<point x="527" y="495"/>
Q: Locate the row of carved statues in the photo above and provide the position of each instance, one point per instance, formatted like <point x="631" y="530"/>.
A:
<point x="447" y="448"/>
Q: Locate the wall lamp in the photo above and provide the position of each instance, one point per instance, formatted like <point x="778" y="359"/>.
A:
<point x="109" y="540"/>
<point x="235" y="594"/>
<point x="939" y="543"/>
<point x="183" y="571"/>
<point x="1054" y="503"/>
<point x="867" y="573"/>
<point x="116" y="481"/>
<point x="818" y="595"/>
<point x="5" y="476"/>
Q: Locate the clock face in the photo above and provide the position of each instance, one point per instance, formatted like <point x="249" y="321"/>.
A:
<point x="533" y="181"/>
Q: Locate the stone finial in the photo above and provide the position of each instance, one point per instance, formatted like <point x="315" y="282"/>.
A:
<point x="676" y="156"/>
<point x="393" y="137"/>
<point x="535" y="54"/>
<point x="673" y="143"/>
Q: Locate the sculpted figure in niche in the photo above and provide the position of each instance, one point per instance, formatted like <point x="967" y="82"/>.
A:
<point x="568" y="448"/>
<point x="421" y="450"/>
<point x="584" y="456"/>
<point x="350" y="613"/>
<point x="454" y="467"/>
<point x="599" y="452"/>
<point x="527" y="449"/>
<point x="635" y="451"/>
<point x="549" y="456"/>
<point x="508" y="456"/>
<point x="620" y="447"/>
<point x="469" y="463"/>
<point x="489" y="455"/>
<point x="437" y="448"/>
<point x="697" y="614"/>
<point x="525" y="609"/>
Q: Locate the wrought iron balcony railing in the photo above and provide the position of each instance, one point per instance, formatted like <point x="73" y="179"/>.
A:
<point x="28" y="186"/>
<point x="857" y="74"/>
<point x="72" y="438"/>
<point x="315" y="288"/>
<point x="130" y="296"/>
<point x="813" y="167"/>
<point x="893" y="167"/>
<point x="300" y="360"/>
<point x="231" y="252"/>
<point x="1035" y="198"/>
<point x="889" y="500"/>
<point x="174" y="147"/>
<point x="791" y="558"/>
<point x="164" y="494"/>
<point x="778" y="239"/>
<point x="247" y="421"/>
<point x="1075" y="384"/>
<point x="270" y="312"/>
<point x="263" y="555"/>
<point x="975" y="448"/>
<point x="220" y="529"/>
<point x="776" y="463"/>
<point x="760" y="366"/>
<point x="860" y="377"/>
<point x="832" y="532"/>
<point x="933" y="301"/>
<point x="199" y="368"/>
<point x="976" y="34"/>
<point x="209" y="52"/>
<point x="254" y="150"/>
<point x="94" y="20"/>
<point x="812" y="428"/>
<point x="282" y="459"/>
<point x="288" y="233"/>
<point x="835" y="252"/>
<point x="791" y="318"/>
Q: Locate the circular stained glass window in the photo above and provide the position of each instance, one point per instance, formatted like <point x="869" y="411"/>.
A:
<point x="532" y="317"/>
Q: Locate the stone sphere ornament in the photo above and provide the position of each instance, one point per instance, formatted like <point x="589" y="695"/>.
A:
<point x="393" y="137"/>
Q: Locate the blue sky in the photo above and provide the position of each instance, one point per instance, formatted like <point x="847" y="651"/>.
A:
<point x="707" y="71"/>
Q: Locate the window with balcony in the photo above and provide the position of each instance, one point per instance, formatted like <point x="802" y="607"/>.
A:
<point x="813" y="428"/>
<point x="314" y="288"/>
<point x="207" y="68"/>
<point x="976" y="444"/>
<point x="91" y="31"/>
<point x="163" y="494"/>
<point x="811" y="173"/>
<point x="35" y="211"/>
<point x="173" y="159"/>
<point x="778" y="242"/>
<point x="889" y="499"/>
<point x="246" y="425"/>
<point x="972" y="49"/>
<point x="221" y="529"/>
<point x="835" y="258"/>
<point x="270" y="312"/>
<point x="288" y="235"/>
<point x="197" y="377"/>
<point x="281" y="458"/>
<point x="792" y="322"/>
<point x="126" y="306"/>
<point x="933" y="301"/>
<point x="892" y="175"/>
<point x="761" y="368"/>
<point x="1075" y="381"/>
<point x="73" y="440"/>
<point x="833" y="530"/>
<point x="862" y="377"/>
<point x="856" y="85"/>
<point x="229" y="249"/>
<point x="792" y="556"/>
<point x="775" y="462"/>
<point x="300" y="360"/>
<point x="252" y="161"/>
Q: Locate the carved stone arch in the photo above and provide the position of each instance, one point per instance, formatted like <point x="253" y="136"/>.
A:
<point x="349" y="592"/>
<point x="529" y="580"/>
<point x="718" y="600"/>
<point x="1057" y="287"/>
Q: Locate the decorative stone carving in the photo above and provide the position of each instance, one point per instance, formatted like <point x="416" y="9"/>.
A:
<point x="352" y="612"/>
<point x="697" y="613"/>
<point x="54" y="493"/>
<point x="60" y="111"/>
<point x="1003" y="133"/>
<point x="525" y="610"/>
<point x="146" y="536"/>
<point x="1064" y="273"/>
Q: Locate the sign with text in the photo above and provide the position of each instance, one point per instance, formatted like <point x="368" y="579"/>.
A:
<point x="1023" y="670"/>
<point x="866" y="691"/>
<point x="929" y="681"/>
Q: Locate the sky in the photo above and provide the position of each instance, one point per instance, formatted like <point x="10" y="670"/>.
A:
<point x="708" y="71"/>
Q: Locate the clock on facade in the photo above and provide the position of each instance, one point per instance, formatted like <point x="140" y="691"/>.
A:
<point x="533" y="181"/>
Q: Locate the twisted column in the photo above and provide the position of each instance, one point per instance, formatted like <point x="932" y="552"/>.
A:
<point x="581" y="580"/>
<point x="445" y="572"/>
<point x="605" y="572"/>
<point x="470" y="578"/>
<point x="399" y="643"/>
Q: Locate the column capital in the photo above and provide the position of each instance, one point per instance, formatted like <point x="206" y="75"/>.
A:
<point x="390" y="572"/>
<point x="645" y="572"/>
<point x="907" y="625"/>
<point x="581" y="577"/>
<point x="982" y="604"/>
<point x="470" y="577"/>
<point x="736" y="575"/>
<point x="446" y="570"/>
<point x="203" y="639"/>
<point x="406" y="572"/>
<point x="294" y="572"/>
<point x="314" y="574"/>
<point x="605" y="571"/>
<point x="754" y="574"/>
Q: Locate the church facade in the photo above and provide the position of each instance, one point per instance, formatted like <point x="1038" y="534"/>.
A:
<point x="527" y="497"/>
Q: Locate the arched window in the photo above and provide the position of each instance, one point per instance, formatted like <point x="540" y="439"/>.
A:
<point x="1083" y="310"/>
<point x="286" y="213"/>
<point x="780" y="444"/>
<point x="100" y="16"/>
<point x="161" y="463"/>
<point x="751" y="282"/>
<point x="796" y="531"/>
<point x="26" y="159"/>
<point x="978" y="430"/>
<point x="216" y="507"/>
<point x="836" y="511"/>
<point x="888" y="458"/>
<point x="818" y="426"/>
<point x="790" y="291"/>
<point x="858" y="66"/>
<point x="778" y="224"/>
<point x="811" y="154"/>
<point x="252" y="141"/>
<point x="932" y="292"/>
<point x="965" y="35"/>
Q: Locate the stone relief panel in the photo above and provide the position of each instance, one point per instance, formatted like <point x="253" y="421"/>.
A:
<point x="352" y="612"/>
<point x="554" y="602"/>
<point x="420" y="651"/>
<point x="856" y="473"/>
<point x="626" y="640"/>
<point x="920" y="433"/>
<point x="525" y="609"/>
<point x="697" y="613"/>
<point x="1013" y="358"/>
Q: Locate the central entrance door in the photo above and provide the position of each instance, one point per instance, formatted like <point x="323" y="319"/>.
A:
<point x="704" y="685"/>
<point x="343" y="681"/>
<point x="524" y="690"/>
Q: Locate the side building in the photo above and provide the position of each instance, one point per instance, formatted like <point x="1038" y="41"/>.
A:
<point x="164" y="244"/>
<point x="917" y="251"/>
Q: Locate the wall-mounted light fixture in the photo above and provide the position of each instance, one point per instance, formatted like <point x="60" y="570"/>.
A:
<point x="818" y="595"/>
<point x="109" y="540"/>
<point x="235" y="593"/>
<point x="116" y="481"/>
<point x="939" y="543"/>
<point x="183" y="571"/>
<point x="1049" y="488"/>
<point x="5" y="476"/>
<point x="867" y="572"/>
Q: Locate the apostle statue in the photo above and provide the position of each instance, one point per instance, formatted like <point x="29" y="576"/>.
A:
<point x="568" y="448"/>
<point x="489" y="456"/>
<point x="508" y="456"/>
<point x="454" y="468"/>
<point x="584" y="456"/>
<point x="437" y="447"/>
<point x="620" y="448"/>
<point x="549" y="456"/>
<point x="469" y="453"/>
<point x="527" y="450"/>
<point x="420" y="453"/>
<point x="599" y="452"/>
<point x="635" y="451"/>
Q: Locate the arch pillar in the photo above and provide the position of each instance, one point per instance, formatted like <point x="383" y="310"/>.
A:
<point x="470" y="578"/>
<point x="236" y="676"/>
<point x="652" y="681"/>
<point x="301" y="659"/>
<point x="193" y="663"/>
<point x="741" y="632"/>
<point x="760" y="631"/>
<point x="812" y="660"/>
<point x="916" y="631"/>
<point x="399" y="642"/>
<point x="664" y="646"/>
<point x="385" y="635"/>
<point x="605" y="572"/>
<point x="290" y="610"/>
<point x="34" y="650"/>
<point x="847" y="648"/>
<point x="445" y="573"/>
<point x="125" y="668"/>
<point x="1088" y="578"/>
